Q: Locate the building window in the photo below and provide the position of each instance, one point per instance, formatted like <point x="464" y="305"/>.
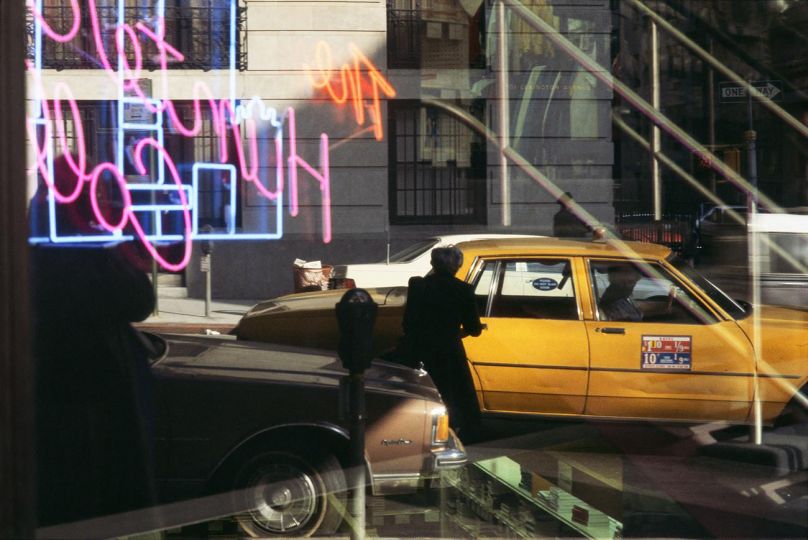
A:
<point x="437" y="172"/>
<point x="213" y="195"/>
<point x="199" y="29"/>
<point x="434" y="34"/>
<point x="404" y="33"/>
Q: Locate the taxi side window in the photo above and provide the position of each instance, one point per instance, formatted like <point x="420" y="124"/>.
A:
<point x="535" y="289"/>
<point x="482" y="288"/>
<point x="643" y="292"/>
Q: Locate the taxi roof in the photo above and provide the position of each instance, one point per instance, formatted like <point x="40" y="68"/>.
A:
<point x="564" y="246"/>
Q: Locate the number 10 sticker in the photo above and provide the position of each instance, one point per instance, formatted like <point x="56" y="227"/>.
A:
<point x="667" y="353"/>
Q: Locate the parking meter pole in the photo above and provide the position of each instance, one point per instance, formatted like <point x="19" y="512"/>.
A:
<point x="356" y="314"/>
<point x="154" y="276"/>
<point x="154" y="268"/>
<point x="656" y="141"/>
<point x="207" y="286"/>
<point x="356" y="412"/>
<point x="206" y="265"/>
<point x="750" y="136"/>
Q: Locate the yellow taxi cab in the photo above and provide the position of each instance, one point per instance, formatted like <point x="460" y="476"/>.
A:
<point x="594" y="329"/>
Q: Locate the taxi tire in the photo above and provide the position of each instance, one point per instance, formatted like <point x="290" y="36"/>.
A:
<point x="298" y="492"/>
<point x="794" y="415"/>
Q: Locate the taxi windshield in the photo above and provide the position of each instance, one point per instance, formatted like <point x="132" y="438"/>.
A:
<point x="415" y="250"/>
<point x="733" y="307"/>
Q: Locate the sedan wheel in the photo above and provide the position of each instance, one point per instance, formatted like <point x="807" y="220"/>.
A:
<point x="290" y="493"/>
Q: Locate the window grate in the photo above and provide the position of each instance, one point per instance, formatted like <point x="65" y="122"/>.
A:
<point x="438" y="168"/>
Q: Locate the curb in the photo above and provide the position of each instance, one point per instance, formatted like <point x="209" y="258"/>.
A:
<point x="185" y="328"/>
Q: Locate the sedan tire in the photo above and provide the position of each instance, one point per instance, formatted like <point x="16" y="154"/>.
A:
<point x="292" y="492"/>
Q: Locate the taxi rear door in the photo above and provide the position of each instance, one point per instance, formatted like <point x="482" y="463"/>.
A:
<point x="533" y="358"/>
<point x="681" y="361"/>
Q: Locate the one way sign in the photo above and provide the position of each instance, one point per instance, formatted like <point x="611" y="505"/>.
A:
<point x="735" y="92"/>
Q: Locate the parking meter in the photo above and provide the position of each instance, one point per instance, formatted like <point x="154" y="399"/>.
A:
<point x="356" y="315"/>
<point x="207" y="245"/>
<point x="204" y="265"/>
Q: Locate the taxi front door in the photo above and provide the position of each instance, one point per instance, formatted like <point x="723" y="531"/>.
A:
<point x="533" y="358"/>
<point x="680" y="361"/>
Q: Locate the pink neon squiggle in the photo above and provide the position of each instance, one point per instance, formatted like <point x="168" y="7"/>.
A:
<point x="130" y="81"/>
<point x="40" y="151"/>
<point x="162" y="45"/>
<point x="278" y="168"/>
<point x="271" y="195"/>
<point x="249" y="174"/>
<point x="80" y="169"/>
<point x="126" y="214"/>
<point x="186" y="214"/>
<point x="56" y="36"/>
<point x="248" y="159"/>
<point x="323" y="177"/>
<point x="218" y="109"/>
<point x="325" y="188"/>
<point x="43" y="167"/>
<point x="292" y="163"/>
<point x="219" y="124"/>
<point x="99" y="41"/>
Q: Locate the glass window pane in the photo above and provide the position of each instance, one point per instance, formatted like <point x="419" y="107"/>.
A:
<point x="536" y="288"/>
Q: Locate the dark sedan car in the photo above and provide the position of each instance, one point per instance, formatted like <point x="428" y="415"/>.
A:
<point x="263" y="423"/>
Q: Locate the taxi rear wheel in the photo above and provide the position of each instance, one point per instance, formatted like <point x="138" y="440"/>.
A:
<point x="795" y="413"/>
<point x="290" y="492"/>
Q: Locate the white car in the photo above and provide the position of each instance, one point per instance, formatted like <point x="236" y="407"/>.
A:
<point x="413" y="260"/>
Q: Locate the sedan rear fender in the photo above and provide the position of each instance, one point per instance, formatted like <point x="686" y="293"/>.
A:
<point x="319" y="434"/>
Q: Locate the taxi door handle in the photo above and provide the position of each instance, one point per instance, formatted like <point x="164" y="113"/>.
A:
<point x="611" y="330"/>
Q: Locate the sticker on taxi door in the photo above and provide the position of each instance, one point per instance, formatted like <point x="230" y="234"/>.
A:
<point x="667" y="352"/>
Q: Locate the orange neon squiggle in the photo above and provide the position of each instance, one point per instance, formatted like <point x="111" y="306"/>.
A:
<point x="350" y="79"/>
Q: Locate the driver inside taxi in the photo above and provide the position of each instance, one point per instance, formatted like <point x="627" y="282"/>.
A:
<point x="616" y="303"/>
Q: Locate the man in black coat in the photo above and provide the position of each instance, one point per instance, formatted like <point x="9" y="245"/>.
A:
<point x="93" y="385"/>
<point x="440" y="311"/>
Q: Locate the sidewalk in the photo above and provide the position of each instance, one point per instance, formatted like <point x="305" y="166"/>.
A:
<point x="188" y="315"/>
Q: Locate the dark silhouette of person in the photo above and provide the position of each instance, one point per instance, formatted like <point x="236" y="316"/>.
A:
<point x="440" y="311"/>
<point x="616" y="303"/>
<point x="565" y="223"/>
<point x="92" y="386"/>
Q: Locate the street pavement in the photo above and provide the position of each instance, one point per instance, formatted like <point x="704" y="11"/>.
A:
<point x="187" y="315"/>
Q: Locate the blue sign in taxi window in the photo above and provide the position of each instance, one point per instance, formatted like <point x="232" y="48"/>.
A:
<point x="545" y="284"/>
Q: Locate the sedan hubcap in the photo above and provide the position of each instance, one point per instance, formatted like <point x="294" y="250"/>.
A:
<point x="284" y="498"/>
